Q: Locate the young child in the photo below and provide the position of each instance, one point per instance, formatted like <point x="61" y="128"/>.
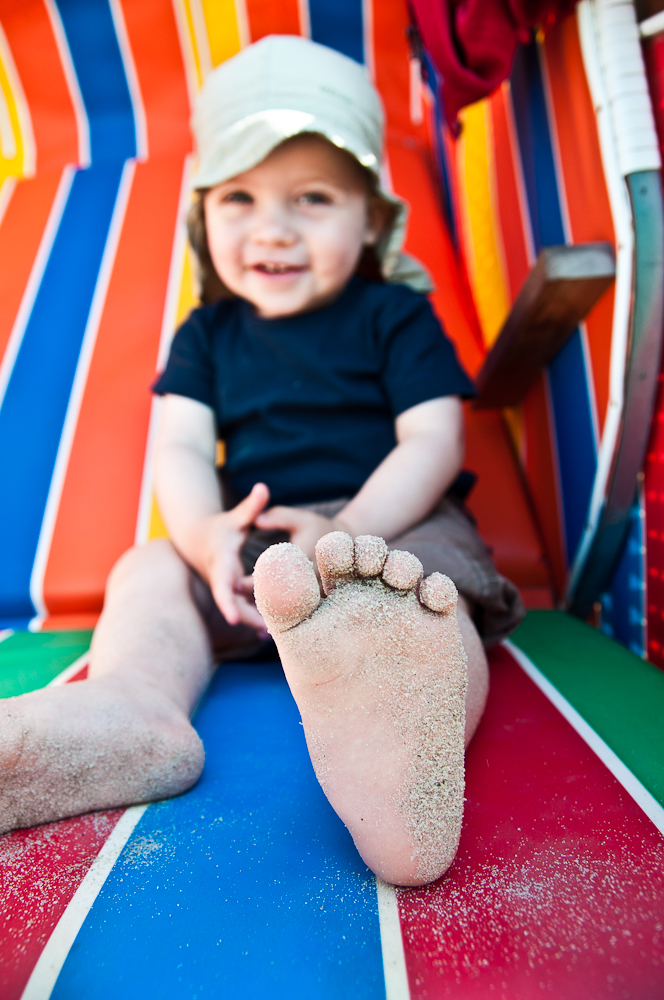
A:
<point x="338" y="400"/>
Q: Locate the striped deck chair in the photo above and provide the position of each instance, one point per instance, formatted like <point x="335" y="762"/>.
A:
<point x="249" y="885"/>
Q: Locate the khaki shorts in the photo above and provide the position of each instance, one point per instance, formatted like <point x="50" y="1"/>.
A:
<point x="446" y="541"/>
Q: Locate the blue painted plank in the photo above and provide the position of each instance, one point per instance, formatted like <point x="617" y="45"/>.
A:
<point x="38" y="391"/>
<point x="568" y="378"/>
<point x="94" y="48"/>
<point x="577" y="457"/>
<point x="248" y="886"/>
<point x="338" y="25"/>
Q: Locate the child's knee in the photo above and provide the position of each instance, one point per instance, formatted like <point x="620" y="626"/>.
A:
<point x="155" y="562"/>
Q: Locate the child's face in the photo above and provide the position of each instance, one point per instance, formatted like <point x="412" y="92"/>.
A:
<point x="287" y="234"/>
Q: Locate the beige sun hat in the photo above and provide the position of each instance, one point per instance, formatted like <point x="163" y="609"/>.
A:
<point x="282" y="86"/>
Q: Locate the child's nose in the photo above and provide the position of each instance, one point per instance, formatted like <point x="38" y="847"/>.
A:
<point x="273" y="227"/>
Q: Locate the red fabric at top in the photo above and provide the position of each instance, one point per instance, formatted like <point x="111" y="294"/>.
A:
<point x="472" y="42"/>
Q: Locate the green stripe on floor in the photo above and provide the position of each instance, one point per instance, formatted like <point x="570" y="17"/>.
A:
<point x="29" y="660"/>
<point x="620" y="695"/>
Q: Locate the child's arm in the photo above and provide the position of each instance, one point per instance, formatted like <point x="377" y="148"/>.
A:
<point x="404" y="488"/>
<point x="206" y="536"/>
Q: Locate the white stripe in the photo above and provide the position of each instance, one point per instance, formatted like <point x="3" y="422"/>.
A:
<point x="169" y="320"/>
<point x="78" y="388"/>
<point x="242" y="20"/>
<point x="7" y="138"/>
<point x="34" y="281"/>
<point x="29" y="165"/>
<point x="138" y="108"/>
<point x="304" y="18"/>
<point x="65" y="675"/>
<point x="201" y="40"/>
<point x="394" y="960"/>
<point x="652" y="25"/>
<point x="7" y="189"/>
<point x="368" y="38"/>
<point x="80" y="114"/>
<point x="620" y="772"/>
<point x="46" y="971"/>
<point x="186" y="50"/>
<point x="5" y="633"/>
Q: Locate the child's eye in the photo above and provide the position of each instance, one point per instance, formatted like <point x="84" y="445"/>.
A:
<point x="315" y="198"/>
<point x="238" y="198"/>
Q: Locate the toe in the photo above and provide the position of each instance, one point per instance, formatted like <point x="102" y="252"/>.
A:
<point x="335" y="559"/>
<point x="438" y="593"/>
<point x="285" y="587"/>
<point x="402" y="570"/>
<point x="370" y="555"/>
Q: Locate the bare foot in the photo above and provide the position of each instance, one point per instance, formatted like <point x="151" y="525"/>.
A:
<point x="91" y="745"/>
<point x="378" y="671"/>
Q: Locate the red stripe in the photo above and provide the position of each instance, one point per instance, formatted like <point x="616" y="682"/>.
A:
<point x="96" y="519"/>
<point x="272" y="17"/>
<point x="558" y="886"/>
<point x="20" y="235"/>
<point x="40" y="870"/>
<point x="35" y="53"/>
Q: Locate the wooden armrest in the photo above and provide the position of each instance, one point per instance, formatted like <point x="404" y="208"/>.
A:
<point x="559" y="292"/>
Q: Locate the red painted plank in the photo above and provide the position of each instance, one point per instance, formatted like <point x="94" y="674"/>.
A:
<point x="40" y="870"/>
<point x="558" y="886"/>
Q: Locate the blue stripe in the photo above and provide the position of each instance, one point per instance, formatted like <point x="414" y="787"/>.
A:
<point x="38" y="392"/>
<point x="94" y="48"/>
<point x="39" y="388"/>
<point x="249" y="886"/>
<point x="622" y="605"/>
<point x="567" y="373"/>
<point x="338" y="25"/>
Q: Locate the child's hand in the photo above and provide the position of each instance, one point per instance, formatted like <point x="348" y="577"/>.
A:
<point x="304" y="527"/>
<point x="225" y="534"/>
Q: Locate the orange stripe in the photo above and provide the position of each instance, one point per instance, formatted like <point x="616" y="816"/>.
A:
<point x="20" y="235"/>
<point x="273" y="17"/>
<point x="96" y="520"/>
<point x="499" y="503"/>
<point x="33" y="47"/>
<point x="585" y="189"/>
<point x="37" y="60"/>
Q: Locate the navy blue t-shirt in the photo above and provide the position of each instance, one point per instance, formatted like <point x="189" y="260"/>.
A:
<point x="307" y="403"/>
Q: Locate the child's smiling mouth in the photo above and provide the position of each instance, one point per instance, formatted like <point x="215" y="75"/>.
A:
<point x="277" y="268"/>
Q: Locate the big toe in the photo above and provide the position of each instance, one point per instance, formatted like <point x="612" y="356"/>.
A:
<point x="285" y="587"/>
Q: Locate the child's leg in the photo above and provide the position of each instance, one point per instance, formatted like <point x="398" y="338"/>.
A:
<point x="379" y="675"/>
<point x="123" y="736"/>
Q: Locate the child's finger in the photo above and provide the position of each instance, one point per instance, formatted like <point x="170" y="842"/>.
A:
<point x="286" y="518"/>
<point x="251" y="616"/>
<point x="244" y="586"/>
<point x="246" y="512"/>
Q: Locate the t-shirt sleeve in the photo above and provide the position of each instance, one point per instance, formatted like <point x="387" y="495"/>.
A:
<point x="189" y="369"/>
<point x="420" y="362"/>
